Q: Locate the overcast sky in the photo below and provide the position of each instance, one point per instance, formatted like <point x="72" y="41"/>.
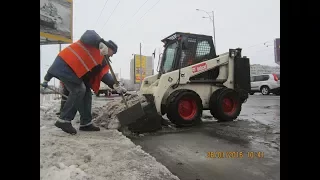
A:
<point x="247" y="24"/>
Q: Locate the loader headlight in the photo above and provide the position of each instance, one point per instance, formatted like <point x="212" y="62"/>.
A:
<point x="232" y="53"/>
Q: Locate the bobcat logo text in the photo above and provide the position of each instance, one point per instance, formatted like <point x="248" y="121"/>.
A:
<point x="199" y="67"/>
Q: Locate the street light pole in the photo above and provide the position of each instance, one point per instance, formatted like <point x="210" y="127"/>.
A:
<point x="214" y="31"/>
<point x="213" y="26"/>
<point x="40" y="65"/>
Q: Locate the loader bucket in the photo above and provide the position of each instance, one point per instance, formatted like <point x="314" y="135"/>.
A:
<point x="141" y="118"/>
<point x="131" y="115"/>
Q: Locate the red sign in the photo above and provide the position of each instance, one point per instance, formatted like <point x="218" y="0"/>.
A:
<point x="199" y="67"/>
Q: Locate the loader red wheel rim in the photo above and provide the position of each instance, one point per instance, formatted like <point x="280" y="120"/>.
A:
<point x="187" y="108"/>
<point x="229" y="105"/>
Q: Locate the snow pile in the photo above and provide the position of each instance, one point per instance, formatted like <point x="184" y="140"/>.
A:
<point x="63" y="172"/>
<point x="47" y="102"/>
<point x="106" y="154"/>
<point x="107" y="117"/>
<point x="48" y="105"/>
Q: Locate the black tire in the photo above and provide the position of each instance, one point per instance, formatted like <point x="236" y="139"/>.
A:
<point x="179" y="115"/>
<point x="98" y="94"/>
<point x="251" y="93"/>
<point x="212" y="101"/>
<point x="265" y="90"/>
<point x="169" y="113"/>
<point x="225" y="105"/>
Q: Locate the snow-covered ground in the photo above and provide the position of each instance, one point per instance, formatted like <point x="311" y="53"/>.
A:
<point x="91" y="155"/>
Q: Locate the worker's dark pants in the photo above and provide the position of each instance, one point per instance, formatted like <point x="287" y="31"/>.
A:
<point x="79" y="99"/>
<point x="64" y="99"/>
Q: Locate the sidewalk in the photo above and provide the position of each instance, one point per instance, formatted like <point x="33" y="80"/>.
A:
<point x="92" y="155"/>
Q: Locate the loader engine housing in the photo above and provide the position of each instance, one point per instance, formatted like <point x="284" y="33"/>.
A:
<point x="242" y="76"/>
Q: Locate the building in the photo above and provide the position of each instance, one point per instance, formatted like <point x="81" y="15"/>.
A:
<point x="257" y="69"/>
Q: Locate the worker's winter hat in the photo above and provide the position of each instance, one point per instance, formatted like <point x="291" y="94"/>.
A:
<point x="112" y="46"/>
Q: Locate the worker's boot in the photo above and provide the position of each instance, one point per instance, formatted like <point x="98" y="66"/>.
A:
<point x="66" y="127"/>
<point x="90" y="127"/>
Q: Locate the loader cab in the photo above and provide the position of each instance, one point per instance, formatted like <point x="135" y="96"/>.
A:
<point x="185" y="49"/>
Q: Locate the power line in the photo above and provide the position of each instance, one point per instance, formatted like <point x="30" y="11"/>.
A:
<point x="258" y="49"/>
<point x="258" y="44"/>
<point x="110" y="15"/>
<point x="134" y="13"/>
<point x="148" y="10"/>
<point x="261" y="50"/>
<point x="263" y="55"/>
<point x="101" y="12"/>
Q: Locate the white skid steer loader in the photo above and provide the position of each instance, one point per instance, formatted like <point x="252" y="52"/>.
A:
<point x="192" y="78"/>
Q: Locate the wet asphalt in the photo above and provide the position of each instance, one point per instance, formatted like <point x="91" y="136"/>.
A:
<point x="245" y="149"/>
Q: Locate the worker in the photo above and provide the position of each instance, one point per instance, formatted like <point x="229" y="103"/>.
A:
<point x="107" y="79"/>
<point x="81" y="67"/>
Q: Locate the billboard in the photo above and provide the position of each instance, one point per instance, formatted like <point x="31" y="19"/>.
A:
<point x="138" y="68"/>
<point x="55" y="21"/>
<point x="277" y="50"/>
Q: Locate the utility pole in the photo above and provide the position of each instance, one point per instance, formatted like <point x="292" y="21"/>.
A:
<point x="212" y="20"/>
<point x="40" y="64"/>
<point x="140" y="67"/>
<point x="214" y="31"/>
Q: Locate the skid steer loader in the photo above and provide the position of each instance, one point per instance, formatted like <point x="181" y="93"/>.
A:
<point x="192" y="78"/>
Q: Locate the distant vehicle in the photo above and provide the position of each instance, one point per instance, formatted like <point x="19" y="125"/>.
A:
<point x="104" y="89"/>
<point x="266" y="84"/>
<point x="114" y="91"/>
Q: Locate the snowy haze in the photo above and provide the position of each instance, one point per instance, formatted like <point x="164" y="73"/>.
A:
<point x="247" y="24"/>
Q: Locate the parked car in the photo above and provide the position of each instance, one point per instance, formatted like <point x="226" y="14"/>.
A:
<point x="266" y="84"/>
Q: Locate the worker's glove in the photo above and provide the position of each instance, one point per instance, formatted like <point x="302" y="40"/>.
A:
<point x="44" y="84"/>
<point x="103" y="49"/>
<point x="119" y="89"/>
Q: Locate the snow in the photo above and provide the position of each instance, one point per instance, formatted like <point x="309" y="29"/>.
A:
<point x="106" y="154"/>
<point x="108" y="112"/>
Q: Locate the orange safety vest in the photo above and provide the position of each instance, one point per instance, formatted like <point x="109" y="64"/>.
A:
<point x="82" y="59"/>
<point x="95" y="81"/>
